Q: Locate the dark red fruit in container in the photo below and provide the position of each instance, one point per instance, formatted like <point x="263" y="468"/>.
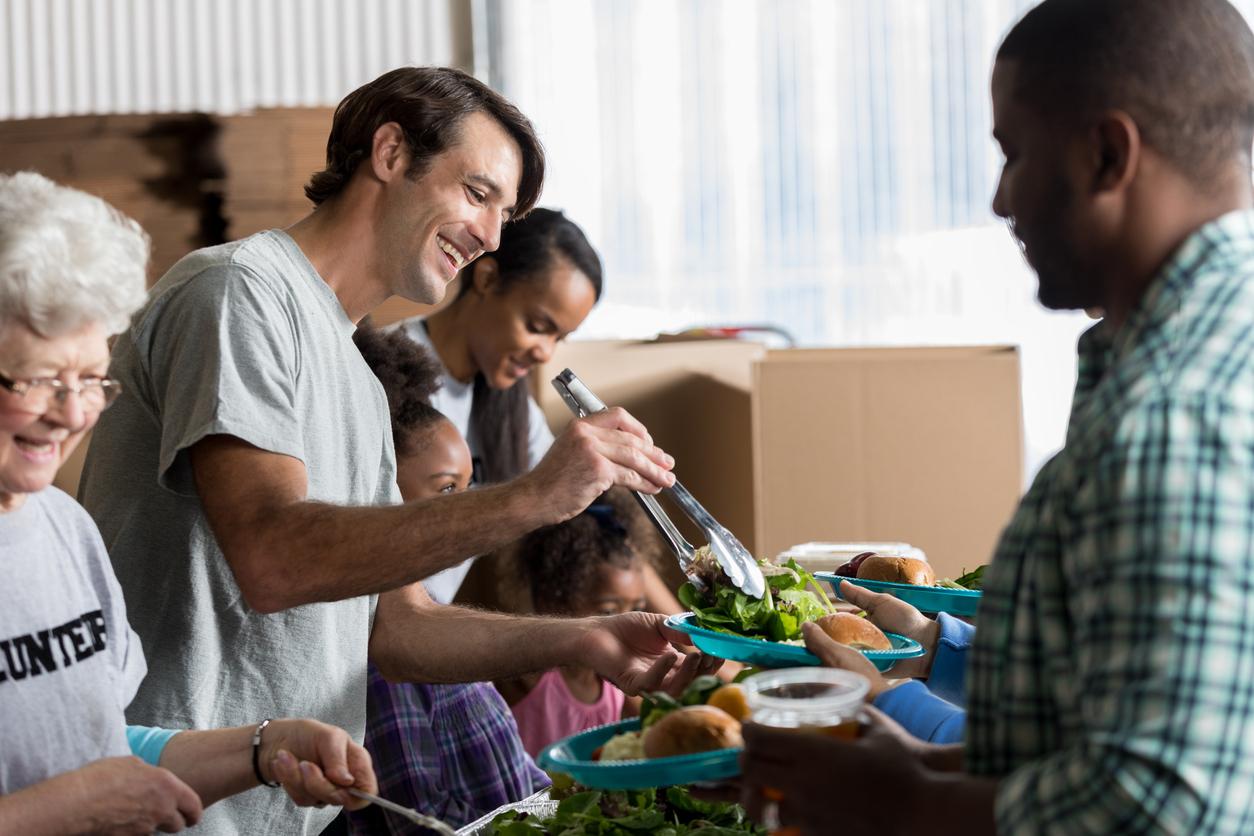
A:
<point x="850" y="569"/>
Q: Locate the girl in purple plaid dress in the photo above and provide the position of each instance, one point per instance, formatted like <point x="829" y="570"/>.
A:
<point x="451" y="751"/>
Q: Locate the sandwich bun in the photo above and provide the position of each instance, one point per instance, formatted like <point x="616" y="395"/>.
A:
<point x="855" y="631"/>
<point x="896" y="570"/>
<point x="691" y="729"/>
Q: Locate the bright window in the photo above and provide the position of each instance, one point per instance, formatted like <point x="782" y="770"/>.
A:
<point x="823" y="166"/>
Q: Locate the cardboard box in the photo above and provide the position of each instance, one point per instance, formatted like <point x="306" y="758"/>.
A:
<point x="922" y="445"/>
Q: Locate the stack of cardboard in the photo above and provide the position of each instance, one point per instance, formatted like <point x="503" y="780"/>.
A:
<point x="152" y="168"/>
<point x="269" y="157"/>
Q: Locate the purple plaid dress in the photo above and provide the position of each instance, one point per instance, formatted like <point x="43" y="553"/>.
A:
<point x="450" y="751"/>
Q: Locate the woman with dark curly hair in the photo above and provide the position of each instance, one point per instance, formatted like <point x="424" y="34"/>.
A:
<point x="588" y="565"/>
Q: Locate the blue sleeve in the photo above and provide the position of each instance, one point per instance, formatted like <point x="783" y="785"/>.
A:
<point x="922" y="713"/>
<point x="948" y="679"/>
<point x="148" y="743"/>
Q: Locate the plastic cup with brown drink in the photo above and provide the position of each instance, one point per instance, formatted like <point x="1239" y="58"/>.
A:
<point x="823" y="701"/>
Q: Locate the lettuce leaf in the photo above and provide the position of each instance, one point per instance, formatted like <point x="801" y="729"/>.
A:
<point x="792" y="598"/>
<point x="669" y="812"/>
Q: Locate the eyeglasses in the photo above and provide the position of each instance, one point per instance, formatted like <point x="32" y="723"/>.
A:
<point x="38" y="394"/>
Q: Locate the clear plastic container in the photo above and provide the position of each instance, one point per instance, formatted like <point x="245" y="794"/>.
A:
<point x="828" y="557"/>
<point x="824" y="700"/>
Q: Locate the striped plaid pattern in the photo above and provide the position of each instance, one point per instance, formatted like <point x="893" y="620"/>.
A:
<point x="451" y="751"/>
<point x="1112" y="676"/>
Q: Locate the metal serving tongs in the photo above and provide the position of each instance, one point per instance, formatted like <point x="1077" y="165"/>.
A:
<point x="429" y="822"/>
<point x="734" y="558"/>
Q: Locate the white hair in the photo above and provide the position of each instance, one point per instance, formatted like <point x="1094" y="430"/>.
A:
<point x="67" y="258"/>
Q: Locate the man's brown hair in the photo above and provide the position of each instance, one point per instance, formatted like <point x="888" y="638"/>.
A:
<point x="429" y="104"/>
<point x="1182" y="69"/>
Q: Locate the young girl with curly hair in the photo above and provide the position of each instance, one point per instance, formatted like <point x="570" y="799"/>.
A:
<point x="586" y="566"/>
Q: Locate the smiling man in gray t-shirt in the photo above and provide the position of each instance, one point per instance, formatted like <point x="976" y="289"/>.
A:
<point x="244" y="484"/>
<point x="228" y="345"/>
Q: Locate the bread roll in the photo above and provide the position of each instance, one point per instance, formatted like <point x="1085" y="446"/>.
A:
<point x="693" y="728"/>
<point x="855" y="631"/>
<point x="897" y="570"/>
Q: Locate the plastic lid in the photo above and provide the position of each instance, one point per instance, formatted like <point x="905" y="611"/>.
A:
<point x="795" y="697"/>
<point x="828" y="549"/>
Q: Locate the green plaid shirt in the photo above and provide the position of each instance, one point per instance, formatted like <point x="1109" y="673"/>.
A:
<point x="1112" y="676"/>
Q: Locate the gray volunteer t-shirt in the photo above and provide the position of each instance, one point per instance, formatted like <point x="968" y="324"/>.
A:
<point x="69" y="663"/>
<point x="245" y="340"/>
<point x="454" y="400"/>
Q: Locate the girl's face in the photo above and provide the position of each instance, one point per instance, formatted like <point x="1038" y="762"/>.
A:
<point x="521" y="327"/>
<point x="620" y="591"/>
<point x="442" y="466"/>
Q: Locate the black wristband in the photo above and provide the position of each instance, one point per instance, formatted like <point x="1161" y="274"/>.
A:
<point x="257" y="755"/>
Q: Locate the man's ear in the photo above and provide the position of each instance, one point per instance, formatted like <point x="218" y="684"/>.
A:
<point x="1116" y="150"/>
<point x="389" y="155"/>
<point x="484" y="275"/>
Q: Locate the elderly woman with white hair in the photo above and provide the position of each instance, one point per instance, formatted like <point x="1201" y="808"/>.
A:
<point x="72" y="270"/>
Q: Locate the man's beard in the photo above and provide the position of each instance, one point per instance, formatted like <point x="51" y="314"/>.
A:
<point x="1067" y="275"/>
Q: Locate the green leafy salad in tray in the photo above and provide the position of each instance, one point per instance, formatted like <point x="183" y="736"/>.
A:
<point x="792" y="598"/>
<point x="671" y="811"/>
<point x="973" y="580"/>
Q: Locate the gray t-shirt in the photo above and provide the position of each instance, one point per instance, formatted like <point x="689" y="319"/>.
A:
<point x="245" y="340"/>
<point x="69" y="663"/>
<point x="454" y="399"/>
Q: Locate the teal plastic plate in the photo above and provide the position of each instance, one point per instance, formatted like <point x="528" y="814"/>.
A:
<point x="574" y="757"/>
<point x="767" y="654"/>
<point x="923" y="598"/>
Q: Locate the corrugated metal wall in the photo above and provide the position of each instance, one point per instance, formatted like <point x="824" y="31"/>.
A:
<point x="76" y="57"/>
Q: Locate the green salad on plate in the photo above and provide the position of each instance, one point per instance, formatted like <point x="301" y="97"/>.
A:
<point x="792" y="598"/>
<point x="668" y="812"/>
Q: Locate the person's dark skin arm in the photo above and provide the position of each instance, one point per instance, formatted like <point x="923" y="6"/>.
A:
<point x="968" y="803"/>
<point x="285" y="550"/>
<point x="514" y="688"/>
<point x="892" y="777"/>
<point x="946" y="758"/>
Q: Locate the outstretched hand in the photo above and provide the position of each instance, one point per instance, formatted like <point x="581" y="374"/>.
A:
<point x="896" y="616"/>
<point x="637" y="652"/>
<point x="836" y="655"/>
